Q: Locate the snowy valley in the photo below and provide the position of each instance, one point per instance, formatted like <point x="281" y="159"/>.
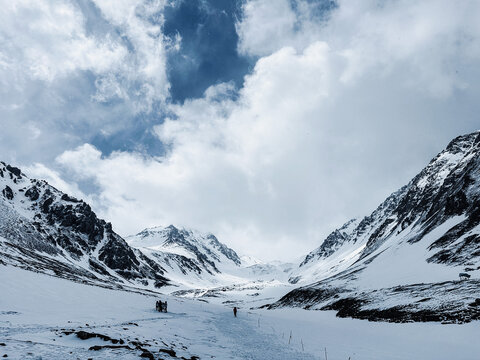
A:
<point x="73" y="288"/>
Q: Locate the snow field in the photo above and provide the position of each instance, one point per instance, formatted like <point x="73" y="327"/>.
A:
<point x="34" y="307"/>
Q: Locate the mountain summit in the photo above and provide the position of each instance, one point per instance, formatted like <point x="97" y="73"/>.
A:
<point x="185" y="250"/>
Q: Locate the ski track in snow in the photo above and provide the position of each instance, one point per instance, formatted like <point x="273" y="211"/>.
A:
<point x="246" y="339"/>
<point x="249" y="343"/>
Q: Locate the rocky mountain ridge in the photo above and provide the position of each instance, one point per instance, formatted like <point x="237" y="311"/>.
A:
<point x="400" y="263"/>
<point x="184" y="251"/>
<point x="413" y="245"/>
<point x="43" y="229"/>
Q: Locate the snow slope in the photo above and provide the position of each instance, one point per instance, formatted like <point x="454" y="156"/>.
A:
<point x="402" y="262"/>
<point x="40" y="316"/>
<point x="45" y="230"/>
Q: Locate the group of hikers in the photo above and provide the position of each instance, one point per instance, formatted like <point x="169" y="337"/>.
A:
<point x="161" y="306"/>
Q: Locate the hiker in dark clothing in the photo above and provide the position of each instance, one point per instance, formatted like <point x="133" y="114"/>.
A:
<point x="161" y="306"/>
<point x="235" y="311"/>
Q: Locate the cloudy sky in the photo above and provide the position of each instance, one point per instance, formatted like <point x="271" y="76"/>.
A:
<point x="267" y="122"/>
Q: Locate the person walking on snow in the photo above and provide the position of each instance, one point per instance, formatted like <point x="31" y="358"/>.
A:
<point x="235" y="311"/>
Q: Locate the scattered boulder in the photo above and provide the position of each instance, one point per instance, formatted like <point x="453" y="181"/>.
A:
<point x="84" y="335"/>
<point x="148" y="355"/>
<point x="100" y="347"/>
<point x="170" y="352"/>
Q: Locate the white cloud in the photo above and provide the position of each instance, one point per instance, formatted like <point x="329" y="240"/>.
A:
<point x="149" y="60"/>
<point x="70" y="71"/>
<point x="333" y="117"/>
<point x="433" y="40"/>
<point x="428" y="40"/>
<point x="43" y="41"/>
<point x="266" y="26"/>
<point x="40" y="171"/>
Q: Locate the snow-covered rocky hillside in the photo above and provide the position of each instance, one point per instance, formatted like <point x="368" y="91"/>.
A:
<point x="403" y="261"/>
<point x="199" y="266"/>
<point x="45" y="230"/>
<point x="45" y="317"/>
<point x="185" y="251"/>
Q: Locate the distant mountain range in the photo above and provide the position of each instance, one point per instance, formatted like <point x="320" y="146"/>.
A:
<point x="400" y="263"/>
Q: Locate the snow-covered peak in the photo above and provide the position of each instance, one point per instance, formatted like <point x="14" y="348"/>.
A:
<point x="185" y="242"/>
<point x="248" y="260"/>
<point x="458" y="152"/>
<point x="333" y="241"/>
<point x="448" y="186"/>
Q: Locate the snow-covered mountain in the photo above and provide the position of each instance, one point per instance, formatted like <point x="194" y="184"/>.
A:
<point x="337" y="252"/>
<point x="199" y="266"/>
<point x="45" y="230"/>
<point x="399" y="263"/>
<point x="186" y="254"/>
<point x="403" y="261"/>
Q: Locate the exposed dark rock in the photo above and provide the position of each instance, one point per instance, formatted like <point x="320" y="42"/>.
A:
<point x="66" y="197"/>
<point x="96" y="266"/>
<point x="84" y="335"/>
<point x="368" y="305"/>
<point x="46" y="204"/>
<point x="456" y="204"/>
<point x="170" y="352"/>
<point x="8" y="193"/>
<point x="446" y="191"/>
<point x="63" y="225"/>
<point x="148" y="355"/>
<point x="32" y="193"/>
<point x="100" y="347"/>
<point x="15" y="171"/>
